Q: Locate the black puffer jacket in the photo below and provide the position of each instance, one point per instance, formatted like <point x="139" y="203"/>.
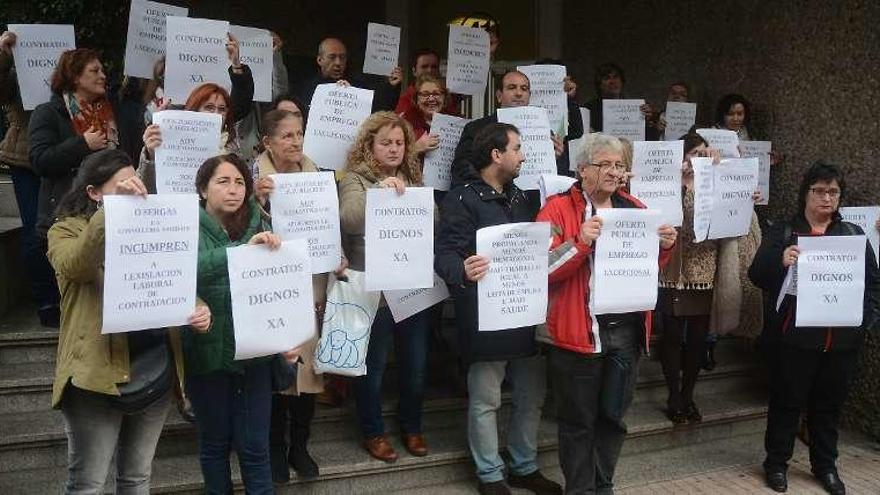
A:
<point x="768" y="273"/>
<point x="465" y="210"/>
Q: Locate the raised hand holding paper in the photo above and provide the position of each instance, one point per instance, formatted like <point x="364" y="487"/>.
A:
<point x="725" y="141"/>
<point x="255" y="50"/>
<point x="830" y="281"/>
<point x="866" y="218"/>
<point x="438" y="162"/>
<point x="625" y="266"/>
<point x="188" y="139"/>
<point x="36" y="53"/>
<point x="150" y="261"/>
<point x="335" y="115"/>
<point x="680" y="117"/>
<point x="383" y="49"/>
<point x="272" y="302"/>
<point x="734" y="182"/>
<point x="195" y="54"/>
<point x="623" y="119"/>
<point x="657" y="177"/>
<point x="534" y="129"/>
<point x="547" y="83"/>
<point x="513" y="293"/>
<point x="305" y="206"/>
<point x="399" y="237"/>
<point x="761" y="151"/>
<point x="467" y="68"/>
<point x="145" y="43"/>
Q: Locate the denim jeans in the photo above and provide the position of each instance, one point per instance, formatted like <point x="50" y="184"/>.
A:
<point x="527" y="379"/>
<point x="411" y="337"/>
<point x="33" y="249"/>
<point x="233" y="411"/>
<point x="96" y="431"/>
<point x="592" y="394"/>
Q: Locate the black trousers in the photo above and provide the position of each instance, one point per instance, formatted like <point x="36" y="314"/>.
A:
<point x="806" y="379"/>
<point x="293" y="414"/>
<point x="682" y="346"/>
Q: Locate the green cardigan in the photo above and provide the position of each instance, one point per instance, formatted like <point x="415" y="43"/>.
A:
<point x="214" y="351"/>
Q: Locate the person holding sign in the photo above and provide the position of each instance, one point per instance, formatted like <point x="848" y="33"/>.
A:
<point x="384" y="155"/>
<point x="231" y="399"/>
<point x="429" y="98"/>
<point x="114" y="390"/>
<point x="594" y="359"/>
<point x="493" y="356"/>
<point x="677" y="94"/>
<point x="425" y="62"/>
<point x="609" y="83"/>
<point x="809" y="367"/>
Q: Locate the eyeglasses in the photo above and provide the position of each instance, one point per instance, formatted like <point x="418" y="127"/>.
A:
<point x="210" y="108"/>
<point x="426" y="95"/>
<point x="822" y="192"/>
<point x="605" y="166"/>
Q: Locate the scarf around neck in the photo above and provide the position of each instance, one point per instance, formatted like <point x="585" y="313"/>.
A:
<point x="97" y="115"/>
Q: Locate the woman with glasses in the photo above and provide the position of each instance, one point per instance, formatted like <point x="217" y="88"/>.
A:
<point x="809" y="368"/>
<point x="429" y="98"/>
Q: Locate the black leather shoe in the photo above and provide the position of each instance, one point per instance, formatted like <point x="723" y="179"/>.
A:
<point x="494" y="488"/>
<point x="776" y="481"/>
<point x="305" y="466"/>
<point x="535" y="482"/>
<point x="832" y="483"/>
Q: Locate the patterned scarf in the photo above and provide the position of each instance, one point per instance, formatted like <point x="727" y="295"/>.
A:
<point x="97" y="115"/>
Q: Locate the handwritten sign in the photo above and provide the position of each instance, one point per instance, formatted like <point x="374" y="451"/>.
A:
<point x="270" y="291"/>
<point x="305" y="206"/>
<point x="734" y="182"/>
<point x="405" y="303"/>
<point x="657" y="177"/>
<point x="150" y="261"/>
<point x="534" y="135"/>
<point x="145" y="43"/>
<point x="866" y="218"/>
<point x="547" y="84"/>
<point x="623" y="119"/>
<point x="761" y="151"/>
<point x="36" y="52"/>
<point x="831" y="281"/>
<point x="335" y="115"/>
<point x="399" y="238"/>
<point x="195" y="54"/>
<point x="255" y="50"/>
<point x="726" y="142"/>
<point x="513" y="293"/>
<point x="467" y="69"/>
<point x="438" y="162"/>
<point x="383" y="48"/>
<point x="625" y="267"/>
<point x="188" y="139"/>
<point x="680" y="118"/>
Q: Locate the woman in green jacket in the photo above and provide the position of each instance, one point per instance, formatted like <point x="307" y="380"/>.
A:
<point x="231" y="399"/>
<point x="94" y="383"/>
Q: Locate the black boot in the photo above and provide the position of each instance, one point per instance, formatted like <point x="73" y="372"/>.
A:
<point x="302" y="412"/>
<point x="709" y="359"/>
<point x="278" y="440"/>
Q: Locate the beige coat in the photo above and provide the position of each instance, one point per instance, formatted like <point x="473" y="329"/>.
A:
<point x="737" y="306"/>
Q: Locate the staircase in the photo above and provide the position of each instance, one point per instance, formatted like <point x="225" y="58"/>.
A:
<point x="33" y="447"/>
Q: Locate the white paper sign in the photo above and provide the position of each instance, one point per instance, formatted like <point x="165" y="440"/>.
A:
<point x="657" y="177"/>
<point x="547" y="85"/>
<point x="761" y="151"/>
<point x="575" y="148"/>
<point x="335" y="115"/>
<point x="625" y="267"/>
<point x="680" y="117"/>
<point x="36" y="51"/>
<point x="383" y="49"/>
<point x="188" y="139"/>
<point x="735" y="181"/>
<point x="438" y="162"/>
<point x="551" y="184"/>
<point x="704" y="200"/>
<point x="195" y="54"/>
<point x="405" y="303"/>
<point x="145" y="43"/>
<point x="866" y="218"/>
<point x="272" y="300"/>
<point x="513" y="293"/>
<point x="305" y="206"/>
<point x="534" y="135"/>
<point x="255" y="50"/>
<point x="831" y="281"/>
<point x="467" y="68"/>
<point x="623" y="119"/>
<point x="151" y="248"/>
<point x="585" y="120"/>
<point x="725" y="141"/>
<point x="399" y="238"/>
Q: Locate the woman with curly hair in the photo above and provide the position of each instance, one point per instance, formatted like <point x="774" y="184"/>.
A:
<point x="384" y="155"/>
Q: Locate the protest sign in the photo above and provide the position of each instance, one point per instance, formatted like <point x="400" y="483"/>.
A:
<point x="335" y="115"/>
<point x="866" y="218"/>
<point x="188" y="139"/>
<point x="704" y="191"/>
<point x="399" y="238"/>
<point x="36" y="52"/>
<point x="761" y="151"/>
<point x="623" y="119"/>
<point x="551" y="184"/>
<point x="585" y="120"/>
<point x="537" y="147"/>
<point x="272" y="300"/>
<point x="680" y="118"/>
<point x="305" y="206"/>
<point x="383" y="49"/>
<point x="405" y="303"/>
<point x="195" y="54"/>
<point x="467" y="67"/>
<point x="734" y="181"/>
<point x="513" y="292"/>
<point x="547" y="91"/>
<point x="255" y="51"/>
<point x="656" y="177"/>
<point x="145" y="43"/>
<point x="723" y="140"/>
<point x="150" y="260"/>
<point x="830" y="281"/>
<point x="438" y="163"/>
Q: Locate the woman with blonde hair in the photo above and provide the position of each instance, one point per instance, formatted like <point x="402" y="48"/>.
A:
<point x="384" y="155"/>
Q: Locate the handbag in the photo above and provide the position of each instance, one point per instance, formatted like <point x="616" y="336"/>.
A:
<point x="150" y="371"/>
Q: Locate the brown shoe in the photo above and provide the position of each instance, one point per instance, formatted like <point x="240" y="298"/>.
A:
<point x="380" y="448"/>
<point x="415" y="445"/>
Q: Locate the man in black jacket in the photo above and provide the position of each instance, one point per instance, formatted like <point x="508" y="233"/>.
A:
<point x="493" y="199"/>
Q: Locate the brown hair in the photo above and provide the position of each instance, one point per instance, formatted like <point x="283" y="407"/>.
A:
<point x="362" y="149"/>
<point x="237" y="225"/>
<point x="70" y="66"/>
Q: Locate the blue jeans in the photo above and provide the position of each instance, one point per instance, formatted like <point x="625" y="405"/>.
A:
<point x="528" y="380"/>
<point x="233" y="412"/>
<point x="96" y="431"/>
<point x="411" y="337"/>
<point x="42" y="277"/>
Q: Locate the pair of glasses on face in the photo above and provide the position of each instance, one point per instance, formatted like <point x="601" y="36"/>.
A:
<point x="608" y="166"/>
<point x="427" y="96"/>
<point x="213" y="109"/>
<point x="822" y="192"/>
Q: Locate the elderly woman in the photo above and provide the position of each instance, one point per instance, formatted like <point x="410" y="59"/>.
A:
<point x="593" y="360"/>
<point x="809" y="368"/>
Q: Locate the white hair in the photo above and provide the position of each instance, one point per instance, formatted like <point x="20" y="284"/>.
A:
<point x="593" y="144"/>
